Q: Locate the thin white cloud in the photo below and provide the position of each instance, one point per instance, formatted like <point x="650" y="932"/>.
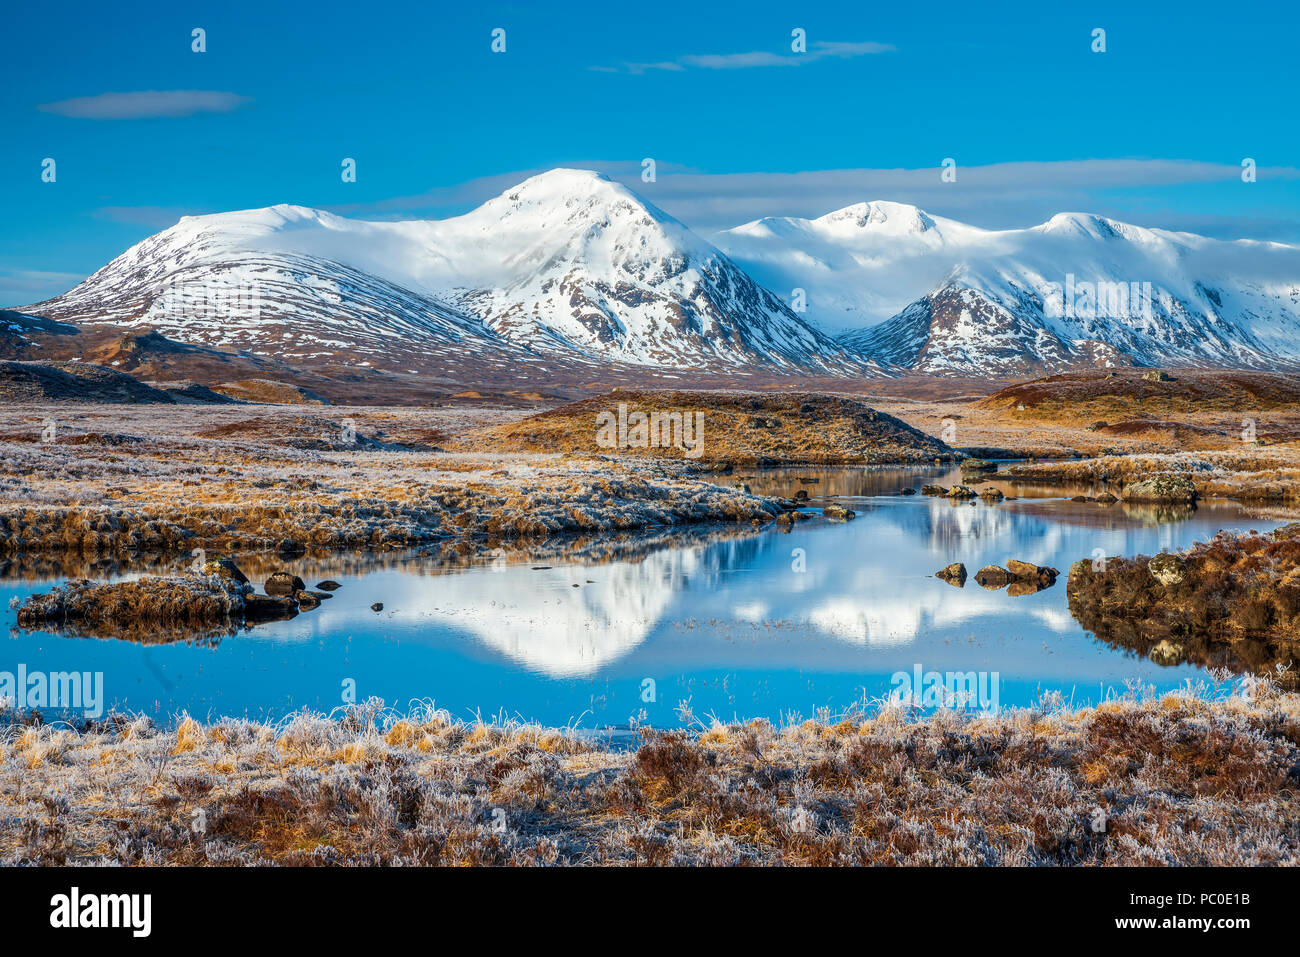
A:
<point x="820" y="50"/>
<point x="146" y="104"/>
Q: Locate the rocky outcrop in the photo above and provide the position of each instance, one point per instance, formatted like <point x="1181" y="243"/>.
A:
<point x="1162" y="488"/>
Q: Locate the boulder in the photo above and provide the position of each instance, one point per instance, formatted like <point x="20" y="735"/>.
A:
<point x="993" y="577"/>
<point x="226" y="568"/>
<point x="1162" y="488"/>
<point x="933" y="490"/>
<point x="992" y="494"/>
<point x="329" y="584"/>
<point x="1043" y="575"/>
<point x="907" y="491"/>
<point x="283" y="584"/>
<point x="801" y="495"/>
<point x="961" y="491"/>
<point x="1167" y="569"/>
<point x="838" y="512"/>
<point x="289" y="547"/>
<point x="979" y="465"/>
<point x="269" y="608"/>
<point x="1106" y="498"/>
<point x="377" y="606"/>
<point x="954" y="574"/>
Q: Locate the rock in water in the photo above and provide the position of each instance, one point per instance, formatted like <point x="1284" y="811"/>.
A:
<point x="226" y="568"/>
<point x="1029" y="572"/>
<point x="283" y="584"/>
<point x="961" y="491"/>
<point x="992" y="577"/>
<point x="329" y="584"/>
<point x="933" y="490"/>
<point x="1167" y="569"/>
<point x="954" y="574"/>
<point x="838" y="512"/>
<point x="377" y="606"/>
<point x="269" y="608"/>
<point x="1162" y="488"/>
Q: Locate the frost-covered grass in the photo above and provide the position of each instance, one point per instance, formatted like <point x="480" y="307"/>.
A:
<point x="1195" y="778"/>
<point x="1251" y="474"/>
<point x="154" y="478"/>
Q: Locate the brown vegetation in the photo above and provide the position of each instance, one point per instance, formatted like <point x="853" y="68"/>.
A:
<point x="738" y="427"/>
<point x="1232" y="602"/>
<point x="1179" y="780"/>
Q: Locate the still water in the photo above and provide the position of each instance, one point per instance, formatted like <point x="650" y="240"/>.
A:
<point x="739" y="622"/>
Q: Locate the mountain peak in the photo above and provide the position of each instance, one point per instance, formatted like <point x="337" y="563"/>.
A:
<point x="882" y="216"/>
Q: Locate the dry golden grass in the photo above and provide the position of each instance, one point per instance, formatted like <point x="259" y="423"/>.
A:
<point x="1177" y="780"/>
<point x="738" y="427"/>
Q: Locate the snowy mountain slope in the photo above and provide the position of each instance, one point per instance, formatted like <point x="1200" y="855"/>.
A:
<point x="566" y="264"/>
<point x="934" y="295"/>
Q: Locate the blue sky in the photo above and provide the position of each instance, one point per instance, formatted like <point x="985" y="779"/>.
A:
<point x="1152" y="131"/>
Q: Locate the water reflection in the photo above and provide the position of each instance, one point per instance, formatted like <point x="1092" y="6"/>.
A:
<point x="742" y="621"/>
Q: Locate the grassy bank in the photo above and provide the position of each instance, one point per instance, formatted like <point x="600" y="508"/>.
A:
<point x="1182" y="779"/>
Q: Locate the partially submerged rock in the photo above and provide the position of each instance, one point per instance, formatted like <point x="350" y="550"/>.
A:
<point x="838" y="512"/>
<point x="961" y="491"/>
<point x="1019" y="578"/>
<point x="225" y="567"/>
<point x="954" y="574"/>
<point x="933" y="490"/>
<point x="992" y="494"/>
<point x="283" y="584"/>
<point x="1162" y="488"/>
<point x="992" y="577"/>
<point x="259" y="608"/>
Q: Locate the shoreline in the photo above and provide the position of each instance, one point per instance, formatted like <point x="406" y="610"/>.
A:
<point x="1181" y="779"/>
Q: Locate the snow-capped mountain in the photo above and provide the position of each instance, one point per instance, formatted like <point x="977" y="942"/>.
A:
<point x="566" y="264"/>
<point x="572" y="270"/>
<point x="927" y="294"/>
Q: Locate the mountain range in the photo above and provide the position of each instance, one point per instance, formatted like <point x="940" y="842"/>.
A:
<point x="572" y="270"/>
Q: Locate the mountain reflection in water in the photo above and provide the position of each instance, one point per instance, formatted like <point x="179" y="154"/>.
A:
<point x="740" y="621"/>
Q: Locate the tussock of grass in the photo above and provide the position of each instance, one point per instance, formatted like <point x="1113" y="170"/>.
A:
<point x="1191" y="778"/>
<point x="1235" y="604"/>
<point x="146" y="609"/>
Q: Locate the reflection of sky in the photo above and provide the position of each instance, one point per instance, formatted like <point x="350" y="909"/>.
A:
<point x="730" y="624"/>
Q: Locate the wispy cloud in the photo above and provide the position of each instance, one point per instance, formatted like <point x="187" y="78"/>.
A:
<point x="146" y="104"/>
<point x="820" y="50"/>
